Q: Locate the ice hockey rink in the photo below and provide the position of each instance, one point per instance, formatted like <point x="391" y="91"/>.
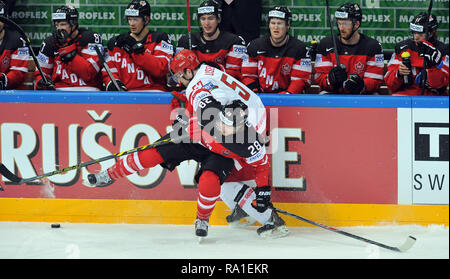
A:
<point x="33" y="240"/>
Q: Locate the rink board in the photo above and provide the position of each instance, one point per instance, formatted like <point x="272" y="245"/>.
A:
<point x="348" y="160"/>
<point x="183" y="212"/>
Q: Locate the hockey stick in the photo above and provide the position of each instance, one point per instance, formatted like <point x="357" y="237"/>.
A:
<point x="427" y="37"/>
<point x="402" y="248"/>
<point x="107" y="69"/>
<point x="27" y="43"/>
<point x="17" y="180"/>
<point x="332" y="34"/>
<point x="189" y="24"/>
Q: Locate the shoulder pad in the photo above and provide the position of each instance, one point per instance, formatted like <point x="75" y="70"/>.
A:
<point x="87" y="37"/>
<point x="112" y="42"/>
<point x="13" y="40"/>
<point x="48" y="47"/>
<point x="255" y="45"/>
<point x="404" y="45"/>
<point x="158" y="36"/>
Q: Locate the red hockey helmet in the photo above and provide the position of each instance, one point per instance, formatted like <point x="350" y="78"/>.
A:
<point x="184" y="59"/>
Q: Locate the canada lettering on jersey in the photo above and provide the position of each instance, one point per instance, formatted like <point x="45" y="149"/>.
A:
<point x="131" y="68"/>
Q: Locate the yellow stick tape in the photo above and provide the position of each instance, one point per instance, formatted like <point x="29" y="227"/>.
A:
<point x="184" y="212"/>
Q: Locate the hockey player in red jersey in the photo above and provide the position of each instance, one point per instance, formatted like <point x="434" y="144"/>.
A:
<point x="361" y="57"/>
<point x="405" y="75"/>
<point x="67" y="57"/>
<point x="278" y="62"/>
<point x="14" y="56"/>
<point x="212" y="44"/>
<point x="139" y="59"/>
<point x="223" y="132"/>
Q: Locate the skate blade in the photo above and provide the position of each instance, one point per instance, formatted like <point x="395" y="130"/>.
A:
<point x="87" y="183"/>
<point x="200" y="239"/>
<point x="243" y="223"/>
<point x="278" y="232"/>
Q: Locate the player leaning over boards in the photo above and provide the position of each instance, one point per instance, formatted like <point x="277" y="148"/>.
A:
<point x="212" y="44"/>
<point x="224" y="131"/>
<point x="407" y="79"/>
<point x="278" y="62"/>
<point x="361" y="57"/>
<point x="140" y="58"/>
<point x="14" y="56"/>
<point x="67" y="57"/>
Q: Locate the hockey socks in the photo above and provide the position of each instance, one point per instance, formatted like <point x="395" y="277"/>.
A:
<point x="209" y="191"/>
<point x="134" y="162"/>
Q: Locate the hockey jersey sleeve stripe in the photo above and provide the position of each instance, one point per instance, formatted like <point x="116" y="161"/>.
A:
<point x="372" y="75"/>
<point x="94" y="64"/>
<point x="232" y="66"/>
<point x="164" y="47"/>
<point x="321" y="63"/>
<point x="90" y="50"/>
<point x="375" y="64"/>
<point x="249" y="64"/>
<point x="303" y="67"/>
<point x="20" y="57"/>
<point x="249" y="75"/>
<point x="22" y="69"/>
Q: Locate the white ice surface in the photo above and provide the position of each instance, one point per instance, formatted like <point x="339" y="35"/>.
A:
<point x="26" y="240"/>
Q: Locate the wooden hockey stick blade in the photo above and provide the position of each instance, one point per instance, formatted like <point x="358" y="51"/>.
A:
<point x="402" y="248"/>
<point x="408" y="244"/>
<point x="6" y="173"/>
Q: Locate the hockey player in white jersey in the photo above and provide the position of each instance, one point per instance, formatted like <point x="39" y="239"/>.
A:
<point x="209" y="87"/>
<point x="221" y="134"/>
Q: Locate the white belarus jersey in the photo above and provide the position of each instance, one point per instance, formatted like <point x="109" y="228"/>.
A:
<point x="225" y="88"/>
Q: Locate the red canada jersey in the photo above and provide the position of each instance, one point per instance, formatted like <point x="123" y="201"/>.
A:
<point x="14" y="58"/>
<point x="142" y="71"/>
<point x="437" y="76"/>
<point x="82" y="72"/>
<point x="277" y="69"/>
<point x="365" y="59"/>
<point x="227" y="50"/>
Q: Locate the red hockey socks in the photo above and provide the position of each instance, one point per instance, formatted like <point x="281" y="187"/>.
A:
<point x="209" y="192"/>
<point x="135" y="162"/>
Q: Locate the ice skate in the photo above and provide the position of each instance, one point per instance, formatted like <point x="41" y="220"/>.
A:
<point x="100" y="179"/>
<point x="274" y="228"/>
<point x="201" y="229"/>
<point x="239" y="218"/>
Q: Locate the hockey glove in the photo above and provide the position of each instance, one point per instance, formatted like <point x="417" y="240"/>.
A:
<point x="67" y="53"/>
<point x="111" y="87"/>
<point x="354" y="84"/>
<point x="262" y="200"/>
<point x="430" y="53"/>
<point x="138" y="48"/>
<point x="3" y="81"/>
<point x="42" y="85"/>
<point x="129" y="44"/>
<point x="337" y="76"/>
